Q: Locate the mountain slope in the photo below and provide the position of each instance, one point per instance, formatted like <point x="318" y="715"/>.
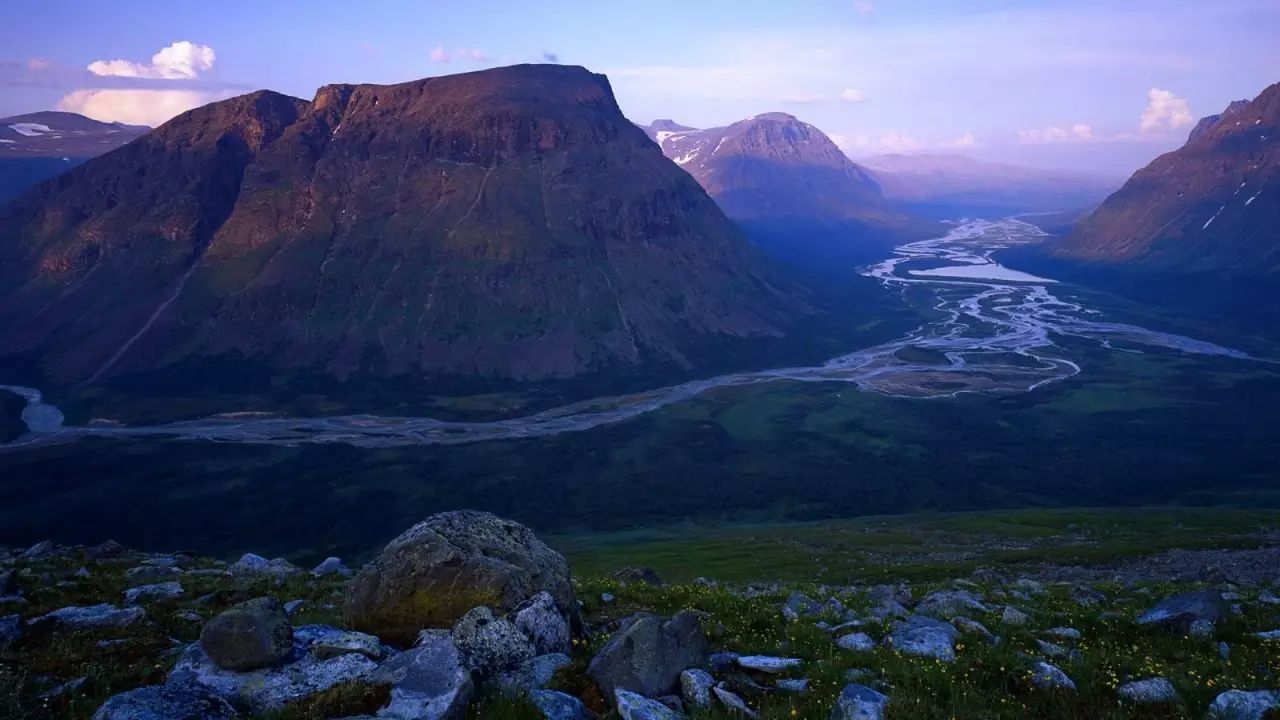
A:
<point x="1211" y="207"/>
<point x="39" y="145"/>
<point x="508" y="223"/>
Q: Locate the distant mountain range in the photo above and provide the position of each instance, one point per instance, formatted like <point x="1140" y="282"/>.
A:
<point x="946" y="185"/>
<point x="502" y="224"/>
<point x="785" y="182"/>
<point x="39" y="145"/>
<point x="1211" y="207"/>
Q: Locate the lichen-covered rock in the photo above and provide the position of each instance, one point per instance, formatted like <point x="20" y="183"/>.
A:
<point x="767" y="663"/>
<point x="428" y="681"/>
<point x="331" y="566"/>
<point x="532" y="674"/>
<point x="543" y="623"/>
<point x="251" y="565"/>
<point x="648" y="654"/>
<point x="157" y="591"/>
<point x="559" y="706"/>
<point x="1153" y="691"/>
<point x="174" y="701"/>
<point x="732" y="703"/>
<point x="251" y="635"/>
<point x="325" y="642"/>
<point x="92" y="616"/>
<point x="947" y="604"/>
<point x="441" y="568"/>
<point x="859" y="702"/>
<point x="1014" y="617"/>
<point x="1179" y="612"/>
<point x="489" y="644"/>
<point x="1243" y="705"/>
<point x="923" y="636"/>
<point x="857" y="642"/>
<point x="695" y="688"/>
<point x="1050" y="677"/>
<point x="633" y="706"/>
<point x="638" y="575"/>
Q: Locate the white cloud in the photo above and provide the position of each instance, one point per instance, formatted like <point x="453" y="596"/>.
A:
<point x="183" y="60"/>
<point x="850" y="95"/>
<point x="864" y="7"/>
<point x="1078" y="132"/>
<point x="892" y="142"/>
<point x="1164" y="111"/>
<point x="138" y="107"/>
<point x="441" y="55"/>
<point x="964" y="141"/>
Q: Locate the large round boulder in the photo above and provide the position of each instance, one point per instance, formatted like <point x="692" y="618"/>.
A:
<point x="444" y="566"/>
<point x="254" y="634"/>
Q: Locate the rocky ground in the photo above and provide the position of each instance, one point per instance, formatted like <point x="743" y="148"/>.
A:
<point x="467" y="615"/>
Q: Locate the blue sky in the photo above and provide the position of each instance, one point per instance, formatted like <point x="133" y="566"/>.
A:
<point x="1099" y="86"/>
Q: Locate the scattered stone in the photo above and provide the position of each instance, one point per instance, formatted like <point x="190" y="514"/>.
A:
<point x="1014" y="617"/>
<point x="1268" y="597"/>
<point x="888" y="608"/>
<point x="923" y="636"/>
<point x="1268" y="635"/>
<point x="947" y="604"/>
<point x="1154" y="691"/>
<point x="1063" y="633"/>
<point x="857" y="642"/>
<point x="859" y="702"/>
<point x="731" y="702"/>
<point x="8" y="582"/>
<point x="632" y="706"/>
<point x="607" y="597"/>
<point x="541" y="621"/>
<point x="83" y="573"/>
<point x="331" y="566"/>
<point x="10" y="631"/>
<point x="69" y="686"/>
<point x="1243" y="705"/>
<point x="252" y="635"/>
<point x="488" y="644"/>
<point x="251" y="565"/>
<point x="144" y="573"/>
<point x="768" y="663"/>
<point x="798" y="605"/>
<point x="40" y="551"/>
<point x="1180" y="611"/>
<point x="158" y="591"/>
<point x="104" y="550"/>
<point x="973" y="627"/>
<point x="638" y="575"/>
<point x="293" y="606"/>
<point x="173" y="701"/>
<point x="1052" y="650"/>
<point x="695" y="688"/>
<point x="1224" y="651"/>
<point x="533" y="674"/>
<point x="325" y="642"/>
<point x="793" y="685"/>
<point x="441" y="568"/>
<point x="188" y="616"/>
<point x="428" y="681"/>
<point x="1202" y="629"/>
<point x="647" y="654"/>
<point x="1088" y="597"/>
<point x="1049" y="677"/>
<point x="1028" y="586"/>
<point x="559" y="706"/>
<point x="92" y="616"/>
<point x="722" y="661"/>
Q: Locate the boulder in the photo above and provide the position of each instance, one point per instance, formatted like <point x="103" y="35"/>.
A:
<point x="648" y="654"/>
<point x="695" y="688"/>
<point x="490" y="644"/>
<point x="531" y="675"/>
<point x="923" y="636"/>
<point x="331" y="566"/>
<point x="732" y="703"/>
<point x="1154" y="691"/>
<point x="254" y="634"/>
<point x="1049" y="677"/>
<point x="92" y="616"/>
<point x="1014" y="617"/>
<point x="428" y="681"/>
<point x="325" y="642"/>
<point x="946" y="604"/>
<point x="1243" y="705"/>
<point x="40" y="551"/>
<point x="559" y="706"/>
<point x="175" y="701"/>
<point x="1180" y="611"/>
<point x="441" y="568"/>
<point x="857" y="642"/>
<point x="1063" y="633"/>
<point x="632" y="706"/>
<point x="969" y="626"/>
<point x="158" y="591"/>
<point x="859" y="702"/>
<point x="10" y="631"/>
<point x="638" y="575"/>
<point x="767" y="663"/>
<point x="799" y="605"/>
<point x="542" y="622"/>
<point x="793" y="685"/>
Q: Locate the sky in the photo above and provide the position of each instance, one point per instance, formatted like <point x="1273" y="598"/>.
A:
<point x="1093" y="86"/>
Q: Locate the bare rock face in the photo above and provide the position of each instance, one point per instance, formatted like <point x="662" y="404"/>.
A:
<point x="254" y="634"/>
<point x="444" y="566"/>
<point x="648" y="654"/>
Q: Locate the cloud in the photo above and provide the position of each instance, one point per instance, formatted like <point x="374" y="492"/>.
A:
<point x="1164" y="111"/>
<point x="1078" y="132"/>
<point x="548" y="56"/>
<point x="850" y="95"/>
<point x="891" y="142"/>
<point x="182" y="60"/>
<point x="138" y="107"/>
<point x="441" y="55"/>
<point x="965" y="140"/>
<point x="865" y="8"/>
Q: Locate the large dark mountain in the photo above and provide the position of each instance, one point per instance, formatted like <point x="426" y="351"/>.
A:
<point x="785" y="182"/>
<point x="37" y="146"/>
<point x="1211" y="207"/>
<point x="506" y="224"/>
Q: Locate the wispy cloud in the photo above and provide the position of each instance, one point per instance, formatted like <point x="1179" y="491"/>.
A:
<point x="440" y="54"/>
<point x="1054" y="134"/>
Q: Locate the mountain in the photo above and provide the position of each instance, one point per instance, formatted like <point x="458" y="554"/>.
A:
<point x="1210" y="207"/>
<point x="39" y="145"/>
<point x="946" y="185"/>
<point x="1209" y="121"/>
<point x="783" y="180"/>
<point x="507" y="224"/>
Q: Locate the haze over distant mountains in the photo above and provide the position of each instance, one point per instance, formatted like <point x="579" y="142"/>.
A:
<point x="508" y="223"/>
<point x="40" y="145"/>
<point x="1211" y="207"/>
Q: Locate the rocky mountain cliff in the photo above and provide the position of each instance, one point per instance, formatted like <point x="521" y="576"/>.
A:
<point x="37" y="146"/>
<point x="508" y="223"/>
<point x="1211" y="207"/>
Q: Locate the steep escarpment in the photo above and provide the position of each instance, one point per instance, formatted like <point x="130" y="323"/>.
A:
<point x="508" y="223"/>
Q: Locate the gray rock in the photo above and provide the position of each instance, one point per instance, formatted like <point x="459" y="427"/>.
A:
<point x="1268" y="597"/>
<point x="888" y="608"/>
<point x="925" y="637"/>
<point x="69" y="686"/>
<point x="175" y="701"/>
<point x="1063" y="633"/>
<point x="638" y="575"/>
<point x="559" y="706"/>
<point x="1153" y="691"/>
<point x="732" y="703"/>
<point x="947" y="604"/>
<point x="1243" y="705"/>
<point x="10" y="631"/>
<point x="490" y="644"/>
<point x="607" y="597"/>
<point x="1203" y="629"/>
<point x="250" y="565"/>
<point x="1053" y="650"/>
<point x="972" y="627"/>
<point x="92" y="616"/>
<point x="254" y="634"/>
<point x="648" y="654"/>
<point x="325" y="642"/>
<point x="632" y="706"/>
<point x="531" y="675"/>
<point x="695" y="688"/>
<point x="859" y="702"/>
<point x="158" y="591"/>
<point x="1049" y="677"/>
<point x="428" y="681"/>
<point x="1224" y="651"/>
<point x="331" y="566"/>
<point x="543" y="623"/>
<point x="106" y="549"/>
<point x="1028" y="586"/>
<point x="441" y="568"/>
<point x="271" y="689"/>
<point x="1268" y="635"/>
<point x="857" y="642"/>
<point x="148" y="573"/>
<point x="799" y="605"/>
<point x="40" y="551"/>
<point x="1180" y="611"/>
<point x="793" y="685"/>
<point x="8" y="582"/>
<point x="1088" y="597"/>
<point x="1014" y="617"/>
<point x="293" y="606"/>
<point x="722" y="661"/>
<point x="768" y="663"/>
